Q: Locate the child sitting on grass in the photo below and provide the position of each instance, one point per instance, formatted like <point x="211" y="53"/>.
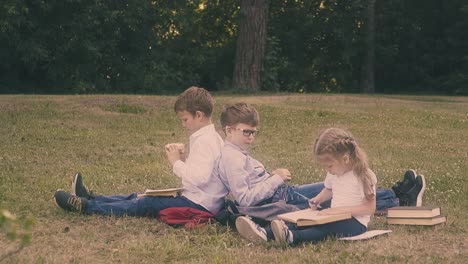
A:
<point x="202" y="189"/>
<point x="350" y="184"/>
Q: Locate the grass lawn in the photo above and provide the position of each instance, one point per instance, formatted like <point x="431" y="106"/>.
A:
<point x="117" y="143"/>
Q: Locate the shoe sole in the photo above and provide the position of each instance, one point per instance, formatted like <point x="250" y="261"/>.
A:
<point x="280" y="238"/>
<point x="421" y="193"/>
<point x="73" y="187"/>
<point x="245" y="230"/>
<point x="55" y="200"/>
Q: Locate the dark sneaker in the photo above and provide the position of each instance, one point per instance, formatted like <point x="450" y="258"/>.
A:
<point x="407" y="184"/>
<point x="249" y="230"/>
<point x="414" y="196"/>
<point x="69" y="202"/>
<point x="283" y="235"/>
<point x="79" y="189"/>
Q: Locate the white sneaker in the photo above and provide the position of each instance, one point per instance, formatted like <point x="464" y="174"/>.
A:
<point x="249" y="230"/>
<point x="283" y="235"/>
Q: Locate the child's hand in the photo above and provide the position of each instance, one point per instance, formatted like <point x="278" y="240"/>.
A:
<point x="314" y="205"/>
<point x="284" y="173"/>
<point x="173" y="154"/>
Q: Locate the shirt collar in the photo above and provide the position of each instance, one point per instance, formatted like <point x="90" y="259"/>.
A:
<point x="206" y="129"/>
<point x="234" y="146"/>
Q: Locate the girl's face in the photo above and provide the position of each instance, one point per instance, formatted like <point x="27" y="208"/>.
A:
<point x="241" y="135"/>
<point x="333" y="165"/>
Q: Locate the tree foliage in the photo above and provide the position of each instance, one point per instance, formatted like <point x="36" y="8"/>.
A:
<point x="163" y="46"/>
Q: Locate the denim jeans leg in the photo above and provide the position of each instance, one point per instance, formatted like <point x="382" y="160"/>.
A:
<point x="145" y="206"/>
<point x="115" y="198"/>
<point x="386" y="198"/>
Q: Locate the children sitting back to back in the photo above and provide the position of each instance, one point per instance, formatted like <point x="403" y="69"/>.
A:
<point x="202" y="189"/>
<point x="350" y="184"/>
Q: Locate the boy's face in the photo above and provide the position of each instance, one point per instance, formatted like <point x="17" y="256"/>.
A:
<point x="191" y="122"/>
<point x="241" y="135"/>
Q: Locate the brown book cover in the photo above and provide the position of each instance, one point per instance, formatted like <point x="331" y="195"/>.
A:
<point x="308" y="217"/>
<point x="413" y="211"/>
<point x="417" y="221"/>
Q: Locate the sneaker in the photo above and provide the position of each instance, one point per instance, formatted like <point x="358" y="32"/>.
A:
<point x="69" y="202"/>
<point x="408" y="182"/>
<point x="283" y="235"/>
<point x="414" y="196"/>
<point x="79" y="189"/>
<point x="420" y="181"/>
<point x="249" y="230"/>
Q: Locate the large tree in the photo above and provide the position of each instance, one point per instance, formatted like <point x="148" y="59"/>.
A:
<point x="368" y="83"/>
<point x="251" y="42"/>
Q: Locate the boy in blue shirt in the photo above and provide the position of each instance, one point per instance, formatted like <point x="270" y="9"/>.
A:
<point x="202" y="189"/>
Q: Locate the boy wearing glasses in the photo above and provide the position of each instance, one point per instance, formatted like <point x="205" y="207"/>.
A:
<point x="202" y="189"/>
<point x="246" y="177"/>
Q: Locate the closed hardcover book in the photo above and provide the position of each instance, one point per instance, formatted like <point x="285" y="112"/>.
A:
<point x="308" y="217"/>
<point x="417" y="221"/>
<point x="171" y="192"/>
<point x="413" y="211"/>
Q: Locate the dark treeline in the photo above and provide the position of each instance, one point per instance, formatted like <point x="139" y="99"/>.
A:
<point x="138" y="46"/>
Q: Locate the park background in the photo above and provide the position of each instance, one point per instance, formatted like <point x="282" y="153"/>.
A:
<point x="161" y="47"/>
<point x="90" y="86"/>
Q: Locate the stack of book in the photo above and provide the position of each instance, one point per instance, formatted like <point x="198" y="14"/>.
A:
<point x="412" y="215"/>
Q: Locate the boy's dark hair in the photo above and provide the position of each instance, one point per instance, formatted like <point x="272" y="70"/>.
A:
<point x="239" y="113"/>
<point x="195" y="99"/>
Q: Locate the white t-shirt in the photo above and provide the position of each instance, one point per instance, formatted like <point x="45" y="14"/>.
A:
<point x="348" y="191"/>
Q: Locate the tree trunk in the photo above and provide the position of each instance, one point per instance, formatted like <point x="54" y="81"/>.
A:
<point x="251" y="43"/>
<point x="368" y="83"/>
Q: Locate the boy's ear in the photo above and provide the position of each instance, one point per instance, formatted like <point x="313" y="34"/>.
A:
<point x="199" y="114"/>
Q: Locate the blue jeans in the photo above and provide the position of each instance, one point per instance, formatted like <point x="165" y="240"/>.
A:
<point x="344" y="228"/>
<point x="130" y="205"/>
<point x="299" y="195"/>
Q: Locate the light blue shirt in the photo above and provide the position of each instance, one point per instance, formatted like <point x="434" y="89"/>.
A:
<point x="245" y="177"/>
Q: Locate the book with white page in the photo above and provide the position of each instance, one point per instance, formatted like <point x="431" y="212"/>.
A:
<point x="308" y="217"/>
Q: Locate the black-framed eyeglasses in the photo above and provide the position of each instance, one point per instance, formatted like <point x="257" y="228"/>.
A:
<point x="248" y="132"/>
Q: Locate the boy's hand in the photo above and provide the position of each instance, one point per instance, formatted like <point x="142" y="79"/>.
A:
<point x="284" y="173"/>
<point x="173" y="154"/>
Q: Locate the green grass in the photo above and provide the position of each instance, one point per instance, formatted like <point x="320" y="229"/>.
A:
<point x="117" y="143"/>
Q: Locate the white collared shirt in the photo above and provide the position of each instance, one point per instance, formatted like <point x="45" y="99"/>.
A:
<point x="199" y="174"/>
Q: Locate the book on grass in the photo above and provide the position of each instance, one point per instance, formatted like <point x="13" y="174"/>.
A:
<point x="308" y="217"/>
<point x="171" y="192"/>
<point x="413" y="211"/>
<point x="428" y="221"/>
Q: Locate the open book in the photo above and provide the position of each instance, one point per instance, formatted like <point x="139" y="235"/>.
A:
<point x="171" y="192"/>
<point x="308" y="217"/>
